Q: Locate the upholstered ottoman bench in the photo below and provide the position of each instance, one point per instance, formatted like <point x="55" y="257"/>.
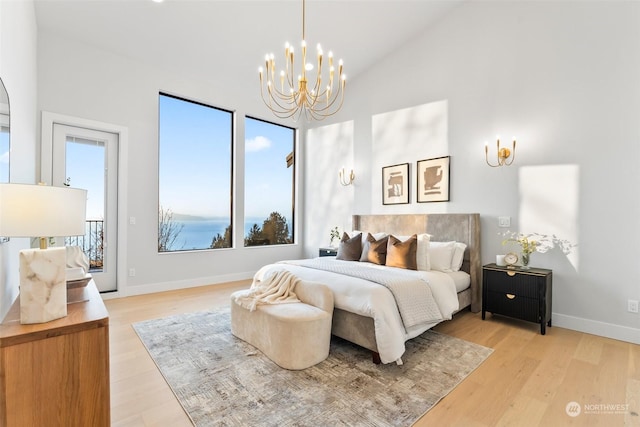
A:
<point x="294" y="335"/>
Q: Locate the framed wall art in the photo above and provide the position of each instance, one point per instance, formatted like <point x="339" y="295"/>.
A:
<point x="433" y="180"/>
<point x="395" y="184"/>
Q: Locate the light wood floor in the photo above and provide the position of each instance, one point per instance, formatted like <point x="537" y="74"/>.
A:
<point x="527" y="381"/>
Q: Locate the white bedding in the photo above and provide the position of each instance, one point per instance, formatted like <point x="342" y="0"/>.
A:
<point x="461" y="279"/>
<point x="376" y="301"/>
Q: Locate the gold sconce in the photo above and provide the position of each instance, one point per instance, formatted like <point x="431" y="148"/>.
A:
<point x="344" y="179"/>
<point x="503" y="153"/>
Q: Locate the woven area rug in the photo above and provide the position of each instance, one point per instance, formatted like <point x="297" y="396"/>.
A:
<point x="221" y="380"/>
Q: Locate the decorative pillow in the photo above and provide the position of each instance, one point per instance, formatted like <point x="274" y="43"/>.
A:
<point x="350" y="249"/>
<point x="364" y="234"/>
<point x="374" y="251"/>
<point x="402" y="254"/>
<point x="422" y="254"/>
<point x="440" y="255"/>
<point x="458" y="256"/>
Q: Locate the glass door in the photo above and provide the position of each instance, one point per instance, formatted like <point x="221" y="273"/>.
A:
<point x="86" y="158"/>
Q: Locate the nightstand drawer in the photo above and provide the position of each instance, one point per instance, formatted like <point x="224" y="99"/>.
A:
<point x="510" y="282"/>
<point x="513" y="306"/>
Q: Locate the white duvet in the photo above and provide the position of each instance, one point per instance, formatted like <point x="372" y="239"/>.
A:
<point x="376" y="301"/>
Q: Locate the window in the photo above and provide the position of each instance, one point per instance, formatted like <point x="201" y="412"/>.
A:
<point x="195" y="176"/>
<point x="269" y="183"/>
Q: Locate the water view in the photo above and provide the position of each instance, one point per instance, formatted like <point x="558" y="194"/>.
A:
<point x="197" y="234"/>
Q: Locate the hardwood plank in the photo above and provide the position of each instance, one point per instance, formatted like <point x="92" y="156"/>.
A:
<point x="527" y="381"/>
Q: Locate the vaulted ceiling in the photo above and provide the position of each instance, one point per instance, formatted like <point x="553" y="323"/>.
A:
<point x="231" y="38"/>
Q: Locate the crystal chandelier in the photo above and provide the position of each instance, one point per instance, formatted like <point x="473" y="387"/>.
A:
<point x="304" y="95"/>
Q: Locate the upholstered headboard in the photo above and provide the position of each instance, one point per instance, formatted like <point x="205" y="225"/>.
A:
<point x="445" y="227"/>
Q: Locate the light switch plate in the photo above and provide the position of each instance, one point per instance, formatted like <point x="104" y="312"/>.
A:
<point x="504" y="221"/>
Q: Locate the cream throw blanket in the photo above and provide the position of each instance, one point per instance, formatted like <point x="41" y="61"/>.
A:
<point x="275" y="289"/>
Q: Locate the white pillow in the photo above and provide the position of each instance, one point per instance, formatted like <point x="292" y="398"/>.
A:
<point x="458" y="256"/>
<point x="422" y="254"/>
<point x="440" y="255"/>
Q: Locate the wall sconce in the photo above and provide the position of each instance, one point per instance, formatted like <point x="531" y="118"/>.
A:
<point x="503" y="153"/>
<point x="344" y="179"/>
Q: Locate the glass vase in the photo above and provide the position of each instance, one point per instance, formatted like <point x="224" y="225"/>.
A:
<point x="525" y="261"/>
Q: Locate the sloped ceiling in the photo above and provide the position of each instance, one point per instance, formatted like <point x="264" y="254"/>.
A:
<point x="229" y="39"/>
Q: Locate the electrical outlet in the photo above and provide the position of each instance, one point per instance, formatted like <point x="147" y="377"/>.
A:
<point x="132" y="272"/>
<point x="504" y="221"/>
<point x="632" y="306"/>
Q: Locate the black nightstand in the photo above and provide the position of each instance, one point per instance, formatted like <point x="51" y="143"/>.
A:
<point x="328" y="251"/>
<point x="518" y="293"/>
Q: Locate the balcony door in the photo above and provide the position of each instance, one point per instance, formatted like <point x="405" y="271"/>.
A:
<point x="88" y="159"/>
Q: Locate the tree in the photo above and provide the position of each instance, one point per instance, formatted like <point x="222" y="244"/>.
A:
<point x="254" y="238"/>
<point x="276" y="229"/>
<point x="220" y="241"/>
<point x="168" y="230"/>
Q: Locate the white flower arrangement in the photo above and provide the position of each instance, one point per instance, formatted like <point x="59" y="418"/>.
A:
<point x="334" y="234"/>
<point x="536" y="242"/>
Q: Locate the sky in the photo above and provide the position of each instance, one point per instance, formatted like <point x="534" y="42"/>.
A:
<point x="195" y="162"/>
<point x="268" y="180"/>
<point x="194" y="158"/>
<point x="85" y="168"/>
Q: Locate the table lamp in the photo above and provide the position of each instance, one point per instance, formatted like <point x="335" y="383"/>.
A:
<point x="28" y="210"/>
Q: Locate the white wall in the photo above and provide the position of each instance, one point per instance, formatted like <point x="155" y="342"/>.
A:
<point x="563" y="78"/>
<point x="18" y="43"/>
<point x="83" y="81"/>
<point x="328" y="203"/>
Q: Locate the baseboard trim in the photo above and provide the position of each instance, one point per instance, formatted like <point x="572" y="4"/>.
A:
<point x="594" y="327"/>
<point x="180" y="284"/>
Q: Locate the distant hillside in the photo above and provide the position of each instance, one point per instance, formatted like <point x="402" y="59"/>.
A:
<point x="183" y="217"/>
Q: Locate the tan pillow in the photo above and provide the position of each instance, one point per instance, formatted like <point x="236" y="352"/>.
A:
<point x="350" y="249"/>
<point x="374" y="251"/>
<point x="402" y="254"/>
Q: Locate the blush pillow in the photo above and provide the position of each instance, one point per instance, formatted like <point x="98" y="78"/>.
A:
<point x="374" y="251"/>
<point x="402" y="254"/>
<point x="350" y="248"/>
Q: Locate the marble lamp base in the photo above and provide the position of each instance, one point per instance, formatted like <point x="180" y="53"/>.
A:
<point x="43" y="285"/>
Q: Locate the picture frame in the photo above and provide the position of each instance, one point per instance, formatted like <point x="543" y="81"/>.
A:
<point x="395" y="184"/>
<point x="433" y="179"/>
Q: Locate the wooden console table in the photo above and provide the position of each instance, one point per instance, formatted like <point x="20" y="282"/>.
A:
<point x="57" y="373"/>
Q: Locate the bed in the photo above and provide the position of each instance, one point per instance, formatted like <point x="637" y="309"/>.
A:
<point x="371" y="324"/>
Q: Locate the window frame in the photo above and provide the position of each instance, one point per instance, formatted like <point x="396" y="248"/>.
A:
<point x="294" y="179"/>
<point x="232" y="158"/>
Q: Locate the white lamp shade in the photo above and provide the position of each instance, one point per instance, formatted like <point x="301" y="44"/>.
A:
<point x="28" y="210"/>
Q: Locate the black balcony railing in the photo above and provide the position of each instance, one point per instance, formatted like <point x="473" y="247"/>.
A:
<point x="91" y="243"/>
